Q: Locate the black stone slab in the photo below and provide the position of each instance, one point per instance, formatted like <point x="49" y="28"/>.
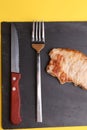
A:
<point x="63" y="105"/>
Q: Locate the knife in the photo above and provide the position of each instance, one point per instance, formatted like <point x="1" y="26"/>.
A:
<point x="15" y="77"/>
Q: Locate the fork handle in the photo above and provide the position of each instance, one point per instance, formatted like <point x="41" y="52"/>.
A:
<point x="39" y="97"/>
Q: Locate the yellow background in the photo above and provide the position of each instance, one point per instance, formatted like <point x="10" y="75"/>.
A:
<point x="47" y="10"/>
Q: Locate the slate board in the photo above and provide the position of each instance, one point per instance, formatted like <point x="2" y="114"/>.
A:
<point x="63" y="105"/>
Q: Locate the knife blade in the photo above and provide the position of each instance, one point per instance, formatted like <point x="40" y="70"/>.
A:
<point x="15" y="77"/>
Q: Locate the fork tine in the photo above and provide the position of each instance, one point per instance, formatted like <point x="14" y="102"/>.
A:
<point x="39" y="31"/>
<point x="43" y="32"/>
<point x="36" y="31"/>
<point x="33" y="32"/>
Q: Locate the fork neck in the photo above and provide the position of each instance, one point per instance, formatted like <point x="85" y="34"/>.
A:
<point x="38" y="47"/>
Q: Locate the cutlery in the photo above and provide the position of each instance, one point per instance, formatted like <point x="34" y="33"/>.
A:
<point x="38" y="43"/>
<point x="15" y="77"/>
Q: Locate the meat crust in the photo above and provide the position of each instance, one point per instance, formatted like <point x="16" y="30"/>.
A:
<point x="68" y="66"/>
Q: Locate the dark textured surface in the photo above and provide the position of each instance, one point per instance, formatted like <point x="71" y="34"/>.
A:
<point x="63" y="105"/>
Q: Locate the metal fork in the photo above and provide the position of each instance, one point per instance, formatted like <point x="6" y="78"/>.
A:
<point x="38" y="40"/>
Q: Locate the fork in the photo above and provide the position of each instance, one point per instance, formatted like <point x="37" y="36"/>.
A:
<point x="38" y="43"/>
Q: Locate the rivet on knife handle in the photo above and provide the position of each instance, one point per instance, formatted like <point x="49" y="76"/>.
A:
<point x="15" y="98"/>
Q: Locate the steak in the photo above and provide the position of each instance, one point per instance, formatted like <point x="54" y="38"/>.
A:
<point x="68" y="65"/>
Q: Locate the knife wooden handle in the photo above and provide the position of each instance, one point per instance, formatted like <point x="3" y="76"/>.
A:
<point x="15" y="98"/>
